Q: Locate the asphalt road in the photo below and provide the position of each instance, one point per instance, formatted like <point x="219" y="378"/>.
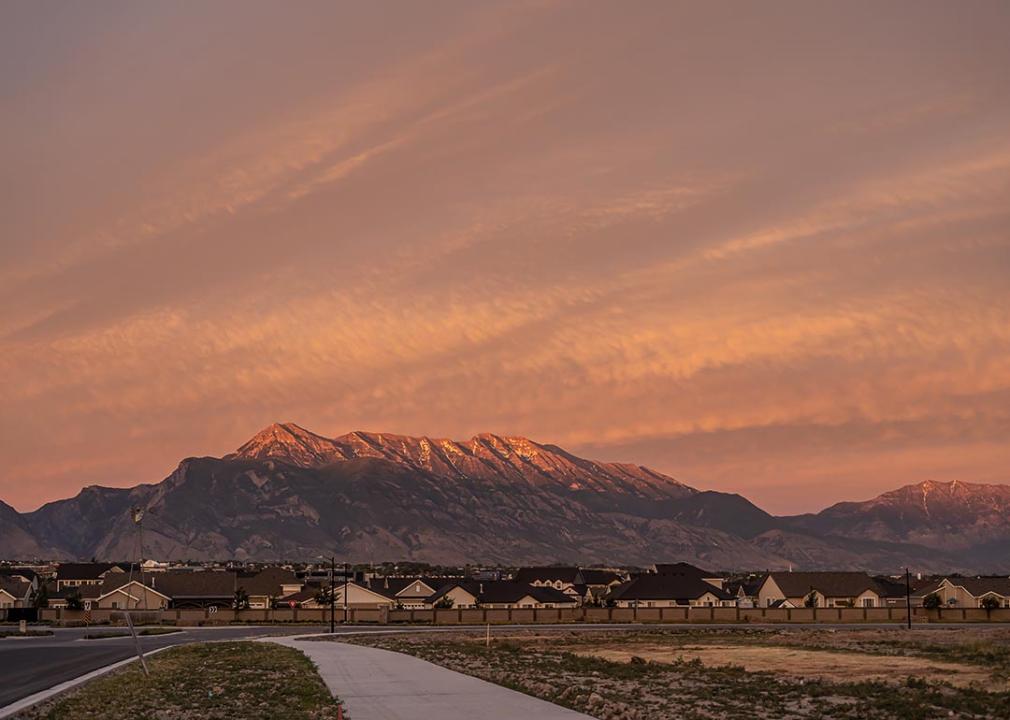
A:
<point x="32" y="664"/>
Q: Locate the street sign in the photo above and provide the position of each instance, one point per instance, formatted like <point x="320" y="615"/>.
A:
<point x="212" y="609"/>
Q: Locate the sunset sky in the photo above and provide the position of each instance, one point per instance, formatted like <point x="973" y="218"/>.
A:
<point x="762" y="247"/>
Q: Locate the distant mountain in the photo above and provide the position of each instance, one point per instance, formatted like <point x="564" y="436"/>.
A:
<point x="949" y="516"/>
<point x="289" y="493"/>
<point x="16" y="537"/>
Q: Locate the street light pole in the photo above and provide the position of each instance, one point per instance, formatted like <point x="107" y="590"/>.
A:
<point x="908" y="597"/>
<point x="345" y="591"/>
<point x="333" y="597"/>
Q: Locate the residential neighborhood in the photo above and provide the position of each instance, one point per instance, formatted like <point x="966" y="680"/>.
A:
<point x="161" y="586"/>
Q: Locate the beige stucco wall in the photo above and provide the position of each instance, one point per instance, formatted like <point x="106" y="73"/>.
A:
<point x="143" y="598"/>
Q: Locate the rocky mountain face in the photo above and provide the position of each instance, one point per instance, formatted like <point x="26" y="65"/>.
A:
<point x="955" y="516"/>
<point x="288" y="494"/>
<point x="16" y="538"/>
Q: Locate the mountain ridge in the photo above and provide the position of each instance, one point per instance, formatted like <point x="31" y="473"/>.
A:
<point x="288" y="492"/>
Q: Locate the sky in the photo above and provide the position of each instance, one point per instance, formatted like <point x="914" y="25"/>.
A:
<point x="761" y="247"/>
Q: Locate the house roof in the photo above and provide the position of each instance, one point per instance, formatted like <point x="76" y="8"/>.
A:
<point x="507" y="591"/>
<point x="829" y="584"/>
<point x="470" y="586"/>
<point x="16" y="588"/>
<point x="26" y="573"/>
<point x="404" y="586"/>
<point x="267" y="581"/>
<point x="979" y="586"/>
<point x="748" y="589"/>
<point x="591" y="576"/>
<point x="548" y="574"/>
<point x="128" y="590"/>
<point x="308" y="592"/>
<point x="82" y="571"/>
<point x="684" y="569"/>
<point x="681" y="588"/>
<point x="551" y="595"/>
<point x="183" y="584"/>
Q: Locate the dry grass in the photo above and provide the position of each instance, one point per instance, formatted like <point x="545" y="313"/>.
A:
<point x="612" y="675"/>
<point x="215" y="681"/>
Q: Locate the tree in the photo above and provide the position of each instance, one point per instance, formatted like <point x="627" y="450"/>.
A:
<point x="444" y="603"/>
<point x="989" y="602"/>
<point x="810" y="600"/>
<point x="74" y="601"/>
<point x="322" y="597"/>
<point x="42" y="597"/>
<point x="240" y="601"/>
<point x="932" y="601"/>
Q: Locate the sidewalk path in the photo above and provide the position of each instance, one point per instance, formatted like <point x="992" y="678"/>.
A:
<point x="382" y="685"/>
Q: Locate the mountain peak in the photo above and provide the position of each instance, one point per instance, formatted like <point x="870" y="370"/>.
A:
<point x="289" y="443"/>
<point x="486" y="457"/>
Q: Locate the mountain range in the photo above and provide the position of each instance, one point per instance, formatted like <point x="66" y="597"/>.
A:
<point x="289" y="493"/>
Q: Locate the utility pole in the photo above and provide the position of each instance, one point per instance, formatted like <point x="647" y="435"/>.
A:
<point x="908" y="597"/>
<point x="345" y="591"/>
<point x="333" y="597"/>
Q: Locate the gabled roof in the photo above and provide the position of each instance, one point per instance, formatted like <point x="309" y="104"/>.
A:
<point x="828" y="584"/>
<point x="979" y="586"/>
<point x="394" y="587"/>
<point x="549" y="574"/>
<point x="681" y="588"/>
<point x="127" y="588"/>
<point x="308" y="592"/>
<point x="470" y="586"/>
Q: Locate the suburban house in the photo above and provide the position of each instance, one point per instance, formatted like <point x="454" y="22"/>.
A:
<point x="582" y="584"/>
<point x="669" y="590"/>
<point x="407" y="592"/>
<point x="499" y="594"/>
<point x="824" y="589"/>
<point x="267" y="585"/>
<point x="83" y="574"/>
<point x="513" y="595"/>
<point x="209" y="588"/>
<point x="131" y="595"/>
<point x="359" y="596"/>
<point x="683" y="569"/>
<point x="14" y="592"/>
<point x="18" y="587"/>
<point x="967" y="592"/>
<point x="461" y="594"/>
<point x="745" y="592"/>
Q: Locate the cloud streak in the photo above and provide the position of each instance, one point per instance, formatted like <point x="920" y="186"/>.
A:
<point x="535" y="219"/>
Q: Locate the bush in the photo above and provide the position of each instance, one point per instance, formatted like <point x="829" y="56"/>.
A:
<point x="932" y="601"/>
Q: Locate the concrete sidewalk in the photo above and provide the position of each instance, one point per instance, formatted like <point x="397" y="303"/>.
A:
<point x="382" y="685"/>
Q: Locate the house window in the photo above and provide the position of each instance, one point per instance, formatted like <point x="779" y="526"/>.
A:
<point x="115" y="605"/>
<point x="867" y="602"/>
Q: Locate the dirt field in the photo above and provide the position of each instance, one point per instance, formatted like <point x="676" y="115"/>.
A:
<point x="759" y="673"/>
<point x="810" y="664"/>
